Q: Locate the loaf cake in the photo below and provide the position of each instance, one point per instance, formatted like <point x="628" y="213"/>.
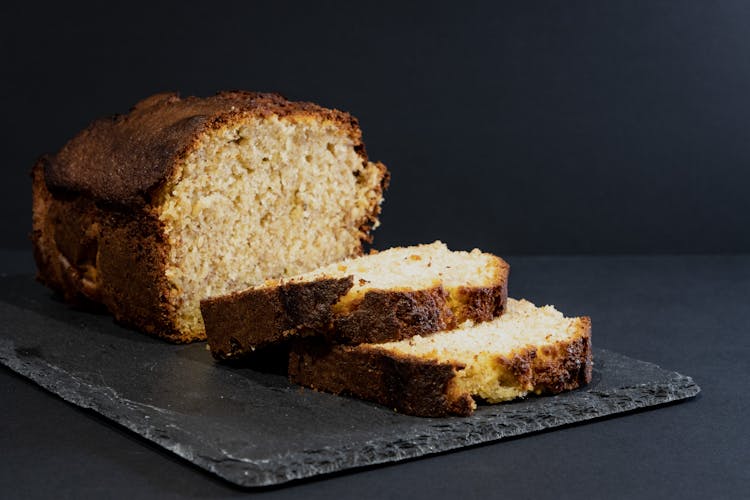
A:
<point x="185" y="198"/>
<point x="526" y="350"/>
<point x="385" y="296"/>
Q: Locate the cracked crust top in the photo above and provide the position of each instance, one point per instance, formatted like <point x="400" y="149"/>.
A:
<point x="123" y="159"/>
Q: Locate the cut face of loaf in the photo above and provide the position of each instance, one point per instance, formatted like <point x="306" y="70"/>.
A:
<point x="391" y="295"/>
<point x="182" y="199"/>
<point x="526" y="350"/>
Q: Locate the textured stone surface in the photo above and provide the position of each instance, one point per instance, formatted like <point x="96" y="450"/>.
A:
<point x="255" y="429"/>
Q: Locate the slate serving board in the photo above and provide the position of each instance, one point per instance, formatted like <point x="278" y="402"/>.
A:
<point x="255" y="429"/>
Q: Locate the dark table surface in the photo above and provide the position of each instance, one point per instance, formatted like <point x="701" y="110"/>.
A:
<point x="690" y="314"/>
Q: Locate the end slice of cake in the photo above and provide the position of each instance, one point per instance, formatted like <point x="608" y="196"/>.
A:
<point x="181" y="199"/>
<point x="391" y="295"/>
<point x="527" y="350"/>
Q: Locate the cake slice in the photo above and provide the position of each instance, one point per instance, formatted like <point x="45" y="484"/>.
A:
<point x="526" y="350"/>
<point x="391" y="295"/>
<point x="184" y="198"/>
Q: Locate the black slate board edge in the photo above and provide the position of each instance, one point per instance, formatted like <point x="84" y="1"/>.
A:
<point x="482" y="428"/>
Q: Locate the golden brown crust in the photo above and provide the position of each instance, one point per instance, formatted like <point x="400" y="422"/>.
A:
<point x="424" y="387"/>
<point x="93" y="256"/>
<point x="480" y="304"/>
<point x="122" y="160"/>
<point x="565" y="366"/>
<point x="258" y="317"/>
<point x="383" y="315"/>
<point x="132" y="257"/>
<point x="553" y="368"/>
<point x="370" y="219"/>
<point x="52" y="269"/>
<point x="239" y="323"/>
<point x="406" y="384"/>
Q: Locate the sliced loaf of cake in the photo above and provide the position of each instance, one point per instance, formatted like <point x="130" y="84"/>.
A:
<point x="185" y="198"/>
<point x="386" y="296"/>
<point x="526" y="350"/>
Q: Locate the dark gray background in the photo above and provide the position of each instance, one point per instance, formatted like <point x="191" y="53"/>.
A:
<point x="552" y="127"/>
